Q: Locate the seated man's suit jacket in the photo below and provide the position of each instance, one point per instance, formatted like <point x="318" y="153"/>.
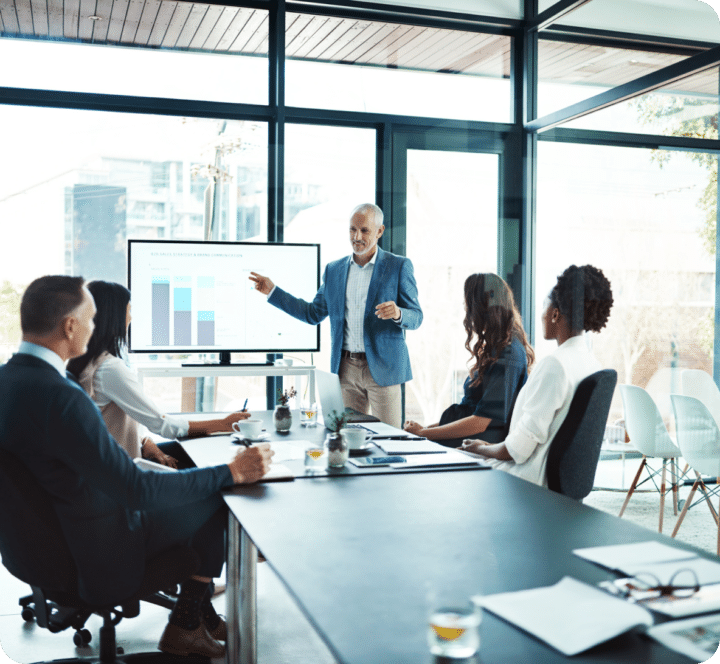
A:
<point x="392" y="280"/>
<point x="51" y="425"/>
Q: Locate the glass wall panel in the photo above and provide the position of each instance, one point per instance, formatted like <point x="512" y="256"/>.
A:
<point x="452" y="221"/>
<point x="328" y="172"/>
<point x="681" y="19"/>
<point x="75" y="185"/>
<point x="687" y="108"/>
<point x="193" y="51"/>
<point x="376" y="67"/>
<point x="569" y="73"/>
<point x="646" y="218"/>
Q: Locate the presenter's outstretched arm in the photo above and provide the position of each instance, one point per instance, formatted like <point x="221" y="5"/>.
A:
<point x="262" y="284"/>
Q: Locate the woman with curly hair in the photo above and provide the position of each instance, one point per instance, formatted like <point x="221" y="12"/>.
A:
<point x="500" y="356"/>
<point x="580" y="302"/>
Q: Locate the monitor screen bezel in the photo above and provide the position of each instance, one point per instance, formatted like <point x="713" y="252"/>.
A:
<point x="195" y="350"/>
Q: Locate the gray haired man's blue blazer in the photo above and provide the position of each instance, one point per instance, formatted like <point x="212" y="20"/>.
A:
<point x="393" y="279"/>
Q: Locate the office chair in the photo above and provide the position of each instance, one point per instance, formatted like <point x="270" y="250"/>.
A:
<point x="649" y="436"/>
<point x="575" y="450"/>
<point x="699" y="438"/>
<point x="33" y="549"/>
<point x="699" y="384"/>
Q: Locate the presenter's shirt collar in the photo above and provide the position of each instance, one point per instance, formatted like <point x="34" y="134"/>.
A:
<point x="370" y="262"/>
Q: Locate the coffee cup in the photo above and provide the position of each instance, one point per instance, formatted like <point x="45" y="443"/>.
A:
<point x="355" y="438"/>
<point x="248" y="428"/>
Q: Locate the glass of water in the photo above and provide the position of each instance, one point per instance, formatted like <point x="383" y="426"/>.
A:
<point x="453" y="630"/>
<point x="315" y="458"/>
<point x="308" y="415"/>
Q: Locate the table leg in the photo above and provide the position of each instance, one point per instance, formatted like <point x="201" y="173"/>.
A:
<point x="241" y="596"/>
<point x="232" y="591"/>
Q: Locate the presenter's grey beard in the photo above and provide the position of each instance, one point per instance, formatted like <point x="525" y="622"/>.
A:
<point x="360" y="252"/>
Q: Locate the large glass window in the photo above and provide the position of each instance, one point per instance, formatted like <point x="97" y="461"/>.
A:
<point x="377" y="67"/>
<point x="452" y="221"/>
<point x="646" y="218"/>
<point x="192" y="51"/>
<point x="328" y="172"/>
<point x="75" y="185"/>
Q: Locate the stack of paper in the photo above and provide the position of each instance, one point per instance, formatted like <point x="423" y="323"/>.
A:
<point x="571" y="616"/>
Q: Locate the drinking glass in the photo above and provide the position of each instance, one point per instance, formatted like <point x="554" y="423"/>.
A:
<point x="308" y="415"/>
<point x="315" y="458"/>
<point x="453" y="628"/>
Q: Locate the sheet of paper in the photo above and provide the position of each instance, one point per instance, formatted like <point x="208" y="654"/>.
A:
<point x="220" y="449"/>
<point x="620" y="556"/>
<point x="411" y="446"/>
<point x="449" y="458"/>
<point x="570" y="616"/>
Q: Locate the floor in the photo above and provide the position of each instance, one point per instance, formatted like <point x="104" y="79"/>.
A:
<point x="284" y="634"/>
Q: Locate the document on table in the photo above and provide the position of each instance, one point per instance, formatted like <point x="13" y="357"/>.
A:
<point x="570" y="616"/>
<point x="218" y="450"/>
<point x="697" y="638"/>
<point x="622" y="557"/>
<point x="410" y="446"/>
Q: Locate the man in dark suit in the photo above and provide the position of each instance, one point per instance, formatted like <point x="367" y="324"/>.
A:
<point x="371" y="298"/>
<point x="113" y="515"/>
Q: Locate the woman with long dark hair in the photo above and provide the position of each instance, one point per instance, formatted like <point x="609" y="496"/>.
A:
<point x="115" y="388"/>
<point x="499" y="358"/>
<point x="579" y="302"/>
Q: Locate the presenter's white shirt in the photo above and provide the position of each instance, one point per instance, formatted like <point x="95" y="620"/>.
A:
<point x="541" y="407"/>
<point x="356" y="292"/>
<point x="116" y="390"/>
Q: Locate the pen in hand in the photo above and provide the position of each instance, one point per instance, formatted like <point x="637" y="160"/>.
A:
<point x="244" y="408"/>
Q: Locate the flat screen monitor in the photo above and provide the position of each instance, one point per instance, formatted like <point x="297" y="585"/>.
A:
<point x="196" y="297"/>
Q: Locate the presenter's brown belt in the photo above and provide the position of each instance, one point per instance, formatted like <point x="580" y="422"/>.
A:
<point x="353" y="356"/>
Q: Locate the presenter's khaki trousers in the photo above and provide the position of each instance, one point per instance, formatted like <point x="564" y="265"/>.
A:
<point x="360" y="390"/>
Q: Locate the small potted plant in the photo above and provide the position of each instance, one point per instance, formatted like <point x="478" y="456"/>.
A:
<point x="282" y="415"/>
<point x="335" y="444"/>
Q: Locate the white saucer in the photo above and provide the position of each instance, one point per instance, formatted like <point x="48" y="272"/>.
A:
<point x="262" y="437"/>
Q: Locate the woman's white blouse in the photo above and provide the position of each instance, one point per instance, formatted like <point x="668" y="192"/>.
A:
<point x="110" y="381"/>
<point x="542" y="406"/>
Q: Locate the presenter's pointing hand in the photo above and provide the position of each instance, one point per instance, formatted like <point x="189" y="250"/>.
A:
<point x="387" y="311"/>
<point x="250" y="464"/>
<point x="262" y="284"/>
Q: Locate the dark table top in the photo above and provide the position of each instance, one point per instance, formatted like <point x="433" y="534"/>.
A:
<point x="357" y="555"/>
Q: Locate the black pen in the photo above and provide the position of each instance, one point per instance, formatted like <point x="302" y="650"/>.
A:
<point x="245" y="406"/>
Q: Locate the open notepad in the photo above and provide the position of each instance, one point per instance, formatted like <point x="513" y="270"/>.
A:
<point x="570" y="616"/>
<point x="219" y="450"/>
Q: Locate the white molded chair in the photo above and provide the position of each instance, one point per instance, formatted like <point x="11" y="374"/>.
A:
<point x="699" y="439"/>
<point x="699" y="384"/>
<point x="648" y="435"/>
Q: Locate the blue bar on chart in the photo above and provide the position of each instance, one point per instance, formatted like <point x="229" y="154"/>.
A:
<point x="205" y="304"/>
<point x="160" y="317"/>
<point x="182" y="307"/>
<point x="206" y="328"/>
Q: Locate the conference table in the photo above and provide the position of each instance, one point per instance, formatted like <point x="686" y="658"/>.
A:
<point x="358" y="551"/>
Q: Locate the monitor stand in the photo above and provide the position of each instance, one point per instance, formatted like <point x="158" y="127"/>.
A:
<point x="225" y="362"/>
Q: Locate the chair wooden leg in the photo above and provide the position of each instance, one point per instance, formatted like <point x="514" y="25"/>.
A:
<point x="662" y="494"/>
<point x="633" y="485"/>
<point x="703" y="488"/>
<point x="686" y="506"/>
<point x="676" y="478"/>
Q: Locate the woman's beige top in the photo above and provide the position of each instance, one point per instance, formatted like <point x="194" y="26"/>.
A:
<point x="116" y="390"/>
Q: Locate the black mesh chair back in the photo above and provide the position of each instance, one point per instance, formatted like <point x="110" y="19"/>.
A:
<point x="575" y="449"/>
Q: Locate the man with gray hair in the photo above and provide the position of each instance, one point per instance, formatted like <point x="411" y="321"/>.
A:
<point x="371" y="299"/>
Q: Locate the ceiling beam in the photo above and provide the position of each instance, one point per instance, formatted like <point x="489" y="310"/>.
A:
<point x="553" y="14"/>
<point x="658" y="79"/>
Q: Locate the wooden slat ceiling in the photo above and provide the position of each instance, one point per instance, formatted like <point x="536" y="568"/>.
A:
<point x="178" y="25"/>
